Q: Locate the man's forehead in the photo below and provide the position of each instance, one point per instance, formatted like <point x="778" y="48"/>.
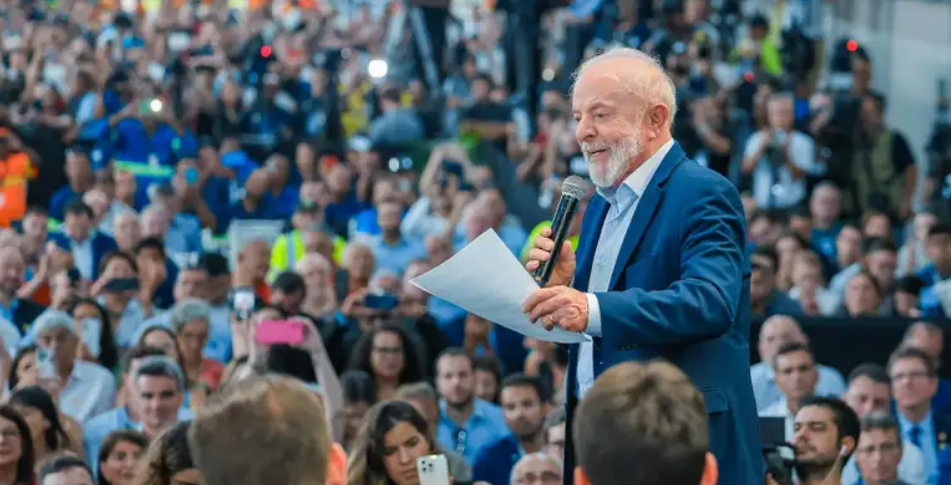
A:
<point x="810" y="415"/>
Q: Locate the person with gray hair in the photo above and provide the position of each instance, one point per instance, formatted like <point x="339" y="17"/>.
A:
<point x="423" y="397"/>
<point x="879" y="450"/>
<point x="86" y="388"/>
<point x="537" y="468"/>
<point x="191" y="321"/>
<point x="158" y="391"/>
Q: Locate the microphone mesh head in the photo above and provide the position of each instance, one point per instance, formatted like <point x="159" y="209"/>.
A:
<point x="574" y="186"/>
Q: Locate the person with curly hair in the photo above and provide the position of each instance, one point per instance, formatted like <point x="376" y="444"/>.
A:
<point x="169" y="460"/>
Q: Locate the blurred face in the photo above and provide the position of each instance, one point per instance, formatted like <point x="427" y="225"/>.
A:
<point x="906" y="303"/>
<point x="866" y="396"/>
<point x="191" y="283"/>
<point x="316" y="276"/>
<point x="36" y="421"/>
<point x="27" y="371"/>
<point x="158" y="399"/>
<point x="389" y="216"/>
<point x="11" y="443"/>
<point x="861" y="296"/>
<point x="155" y="223"/>
<point x="882" y="265"/>
<point x="938" y="247"/>
<point x="806" y="275"/>
<point x="402" y="445"/>
<point x="847" y="246"/>
<point x="454" y="378"/>
<point x="428" y="409"/>
<point x="878" y="454"/>
<point x="878" y="226"/>
<point x="762" y="279"/>
<point x="932" y="343"/>
<point x="128" y="231"/>
<point x="764" y="232"/>
<point x="486" y="385"/>
<point x="78" y="169"/>
<point x="360" y="262"/>
<point x="70" y="476"/>
<point x="923" y="223"/>
<point x="12" y="268"/>
<point x="78" y="225"/>
<point x="796" y="375"/>
<point x="256" y="259"/>
<point x="353" y="413"/>
<point x="161" y="340"/>
<point x="386" y="356"/>
<point x="780" y="113"/>
<point x="536" y="470"/>
<point x="119" y="466"/>
<point x="523" y="410"/>
<point x="815" y="440"/>
<point x="555" y="441"/>
<point x="61" y="342"/>
<point x="289" y="302"/>
<point x="35" y="227"/>
<point x="871" y="112"/>
<point x="193" y="337"/>
<point x="125" y="186"/>
<point x="912" y="385"/>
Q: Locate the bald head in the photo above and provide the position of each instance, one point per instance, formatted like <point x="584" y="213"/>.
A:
<point x="537" y="468"/>
<point x="777" y="331"/>
<point x="624" y="105"/>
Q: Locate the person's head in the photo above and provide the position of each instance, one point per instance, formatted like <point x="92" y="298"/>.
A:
<point x="922" y="224"/>
<point x="389" y="216"/>
<point x="98" y="201"/>
<point x="192" y="282"/>
<point x="126" y="186"/>
<point x="881" y="261"/>
<point x="255" y="259"/>
<point x="162" y="337"/>
<point x="65" y="470"/>
<point x="796" y="373"/>
<point x="16" y="445"/>
<point x="127" y="230"/>
<point x="78" y="170"/>
<point x="869" y="390"/>
<point x="537" y="469"/>
<point x="651" y="411"/>
<point x="56" y="333"/>
<point x="555" y="427"/>
<point x="872" y="112"/>
<point x="914" y="378"/>
<point x="488" y="376"/>
<point x="863" y="295"/>
<point x="908" y="295"/>
<point x="624" y="104"/>
<point x="806" y="270"/>
<point x="824" y="204"/>
<point x="191" y="321"/>
<point x="120" y="265"/>
<point x="35" y="226"/>
<point x="318" y="273"/>
<point x="120" y="455"/>
<point x="826" y="432"/>
<point x="393" y="436"/>
<point x="879" y="449"/>
<point x="288" y="292"/>
<point x="423" y="397"/>
<point x="78" y="219"/>
<point x="88" y="313"/>
<point x="777" y="331"/>
<point x="12" y="270"/>
<point x="765" y="226"/>
<point x="925" y="336"/>
<point x="169" y="460"/>
<point x="779" y="111"/>
<point x="938" y="247"/>
<point x="279" y="411"/>
<point x="23" y="368"/>
<point x="847" y="245"/>
<point x="41" y="415"/>
<point x="454" y="377"/>
<point x="388" y="355"/>
<point x="219" y="278"/>
<point x="156" y="221"/>
<point x="131" y="360"/>
<point x="525" y="402"/>
<point x="359" y="394"/>
<point x="158" y="392"/>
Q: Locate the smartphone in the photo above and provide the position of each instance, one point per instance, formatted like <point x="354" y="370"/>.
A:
<point x="242" y="300"/>
<point x="179" y="41"/>
<point x="385" y="302"/>
<point x="92" y="333"/>
<point x="46" y="364"/>
<point x="453" y="167"/>
<point x="433" y="470"/>
<point x="122" y="284"/>
<point x="191" y="175"/>
<point x="151" y="106"/>
<point x="280" y="332"/>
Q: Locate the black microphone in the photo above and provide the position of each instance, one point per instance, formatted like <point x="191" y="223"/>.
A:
<point x="573" y="189"/>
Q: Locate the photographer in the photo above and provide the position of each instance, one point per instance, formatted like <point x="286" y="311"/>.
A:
<point x="827" y="432"/>
<point x="779" y="158"/>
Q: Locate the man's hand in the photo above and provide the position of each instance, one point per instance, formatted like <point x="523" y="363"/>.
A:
<point x="558" y="306"/>
<point x="541" y="251"/>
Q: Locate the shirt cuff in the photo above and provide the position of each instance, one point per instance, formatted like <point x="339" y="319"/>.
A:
<point x="594" y="316"/>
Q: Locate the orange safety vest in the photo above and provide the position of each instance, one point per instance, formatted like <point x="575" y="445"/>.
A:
<point x="15" y="170"/>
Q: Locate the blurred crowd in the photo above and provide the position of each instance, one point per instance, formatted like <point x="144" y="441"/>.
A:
<point x="178" y="176"/>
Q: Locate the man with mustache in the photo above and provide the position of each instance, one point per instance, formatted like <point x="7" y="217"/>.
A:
<point x="661" y="269"/>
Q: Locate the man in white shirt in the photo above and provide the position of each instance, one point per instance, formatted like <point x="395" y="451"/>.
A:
<point x="86" y="388"/>
<point x="796" y="377"/>
<point x="777" y="331"/>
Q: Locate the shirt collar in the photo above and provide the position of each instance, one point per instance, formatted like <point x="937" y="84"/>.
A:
<point x="906" y="424"/>
<point x="635" y="184"/>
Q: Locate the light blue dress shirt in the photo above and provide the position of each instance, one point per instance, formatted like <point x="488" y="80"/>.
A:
<point x="395" y="258"/>
<point x="82" y="255"/>
<point x="928" y="443"/>
<point x="623" y="202"/>
<point x="96" y="429"/>
<point x="763" y="377"/>
<point x="485" y="426"/>
<point x="218" y="346"/>
<point x="90" y="390"/>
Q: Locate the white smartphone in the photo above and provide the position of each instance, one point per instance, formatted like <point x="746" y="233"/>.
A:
<point x="179" y="41"/>
<point x="92" y="333"/>
<point x="46" y="364"/>
<point x="433" y="470"/>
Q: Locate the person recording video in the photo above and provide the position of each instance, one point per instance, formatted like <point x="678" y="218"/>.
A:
<point x="826" y="434"/>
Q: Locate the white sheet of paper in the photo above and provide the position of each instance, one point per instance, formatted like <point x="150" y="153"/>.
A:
<point x="485" y="278"/>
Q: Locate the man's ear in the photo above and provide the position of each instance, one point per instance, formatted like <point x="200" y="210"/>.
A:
<point x="337" y="466"/>
<point x="581" y="478"/>
<point x="710" y="471"/>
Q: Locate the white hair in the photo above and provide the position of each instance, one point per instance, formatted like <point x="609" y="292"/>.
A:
<point x="656" y="89"/>
<point x="535" y="456"/>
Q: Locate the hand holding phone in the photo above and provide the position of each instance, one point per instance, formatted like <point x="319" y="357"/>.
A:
<point x="272" y="332"/>
<point x="433" y="470"/>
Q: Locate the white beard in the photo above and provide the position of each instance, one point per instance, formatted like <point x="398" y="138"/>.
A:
<point x="619" y="157"/>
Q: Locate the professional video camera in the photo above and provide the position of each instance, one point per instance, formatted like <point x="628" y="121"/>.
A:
<point x="778" y="466"/>
<point x="840" y="130"/>
<point x="798" y="55"/>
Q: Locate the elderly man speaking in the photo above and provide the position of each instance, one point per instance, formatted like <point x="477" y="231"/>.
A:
<point x="661" y="269"/>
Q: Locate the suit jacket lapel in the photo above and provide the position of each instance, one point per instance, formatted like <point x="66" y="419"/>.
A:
<point x="588" y="242"/>
<point x="646" y="207"/>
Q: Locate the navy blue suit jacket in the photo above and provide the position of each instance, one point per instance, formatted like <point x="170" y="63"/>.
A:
<point x="680" y="291"/>
<point x="101" y="245"/>
<point x="495" y="461"/>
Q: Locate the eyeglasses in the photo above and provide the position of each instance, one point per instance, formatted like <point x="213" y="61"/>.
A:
<point x="884" y="448"/>
<point x="913" y="376"/>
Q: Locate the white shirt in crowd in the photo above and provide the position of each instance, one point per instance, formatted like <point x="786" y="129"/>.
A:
<point x="783" y="190"/>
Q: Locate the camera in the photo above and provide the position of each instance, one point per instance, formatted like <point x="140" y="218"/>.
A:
<point x="778" y="466"/>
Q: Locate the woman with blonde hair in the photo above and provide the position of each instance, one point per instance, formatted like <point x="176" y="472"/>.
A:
<point x="169" y="460"/>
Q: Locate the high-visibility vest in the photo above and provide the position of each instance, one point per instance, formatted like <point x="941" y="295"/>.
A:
<point x="15" y="170"/>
